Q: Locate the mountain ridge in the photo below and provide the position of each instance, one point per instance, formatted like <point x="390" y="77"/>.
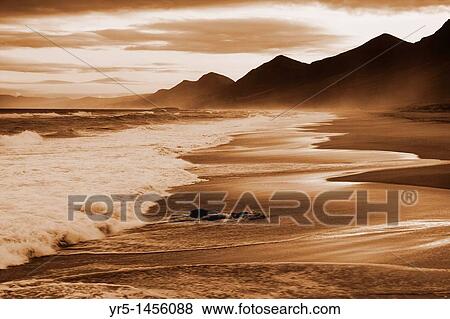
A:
<point x="383" y="72"/>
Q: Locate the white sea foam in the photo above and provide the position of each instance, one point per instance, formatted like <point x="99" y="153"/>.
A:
<point x="25" y="138"/>
<point x="48" y="115"/>
<point x="29" y="115"/>
<point x="15" y="115"/>
<point x="82" y="114"/>
<point x="38" y="174"/>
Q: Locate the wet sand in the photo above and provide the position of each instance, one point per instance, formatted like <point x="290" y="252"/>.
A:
<point x="215" y="259"/>
<point x="427" y="135"/>
<point x="429" y="176"/>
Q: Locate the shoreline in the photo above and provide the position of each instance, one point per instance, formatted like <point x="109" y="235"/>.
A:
<point x="267" y="160"/>
<point x="385" y="132"/>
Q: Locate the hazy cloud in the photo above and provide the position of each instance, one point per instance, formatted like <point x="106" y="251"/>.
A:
<point x="11" y="39"/>
<point x="42" y="82"/>
<point x="230" y="36"/>
<point x="205" y="36"/>
<point x="105" y="80"/>
<point x="16" y="65"/>
<point x="13" y="8"/>
<point x="112" y="80"/>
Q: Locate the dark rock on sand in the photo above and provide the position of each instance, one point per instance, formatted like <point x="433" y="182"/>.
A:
<point x="237" y="215"/>
<point x="255" y="216"/>
<point x="198" y="213"/>
<point x="214" y="217"/>
<point x="247" y="215"/>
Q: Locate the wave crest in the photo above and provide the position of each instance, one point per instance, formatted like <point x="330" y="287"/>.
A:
<point x="22" y="139"/>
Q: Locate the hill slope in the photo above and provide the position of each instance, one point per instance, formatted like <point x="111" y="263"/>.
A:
<point x="385" y="71"/>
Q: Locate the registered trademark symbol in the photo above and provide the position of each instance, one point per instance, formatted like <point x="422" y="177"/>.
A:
<point x="409" y="197"/>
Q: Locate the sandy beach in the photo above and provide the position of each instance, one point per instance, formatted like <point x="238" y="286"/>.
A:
<point x="260" y="260"/>
<point x="424" y="134"/>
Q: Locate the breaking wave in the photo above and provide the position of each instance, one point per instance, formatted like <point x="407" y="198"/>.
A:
<point x="21" y="139"/>
<point x="38" y="174"/>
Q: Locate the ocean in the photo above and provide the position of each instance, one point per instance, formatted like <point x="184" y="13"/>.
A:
<point x="45" y="156"/>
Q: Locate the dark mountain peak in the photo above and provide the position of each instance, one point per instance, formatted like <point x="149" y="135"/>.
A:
<point x="278" y="64"/>
<point x="182" y="85"/>
<point x="213" y="77"/>
<point x="283" y="61"/>
<point x="445" y="27"/>
<point x="280" y="71"/>
<point x="443" y="33"/>
<point x="383" y="47"/>
<point x="383" y="40"/>
<point x="210" y="80"/>
<point x="437" y="42"/>
<point x="190" y="93"/>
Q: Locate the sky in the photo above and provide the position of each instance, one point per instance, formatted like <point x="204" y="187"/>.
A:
<point x="82" y="48"/>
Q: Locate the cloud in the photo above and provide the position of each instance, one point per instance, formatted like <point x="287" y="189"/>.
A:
<point x="104" y="80"/>
<point x="5" y="91"/>
<point x="377" y="4"/>
<point x="18" y="65"/>
<point x="24" y="8"/>
<point x="52" y="82"/>
<point x="36" y="68"/>
<point x="10" y="39"/>
<point x="228" y="36"/>
<point x="201" y="35"/>
<point x="112" y="80"/>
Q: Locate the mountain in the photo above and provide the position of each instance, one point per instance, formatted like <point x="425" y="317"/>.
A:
<point x="384" y="72"/>
<point x="277" y="73"/>
<point x="184" y="95"/>
<point x="190" y="93"/>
